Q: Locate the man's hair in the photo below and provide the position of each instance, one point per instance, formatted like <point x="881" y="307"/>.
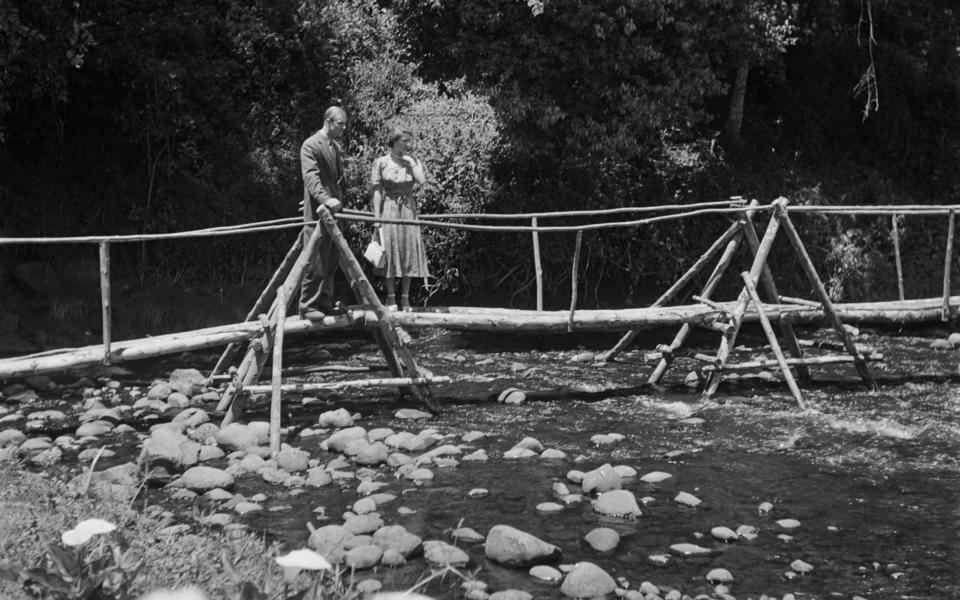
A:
<point x="332" y="112"/>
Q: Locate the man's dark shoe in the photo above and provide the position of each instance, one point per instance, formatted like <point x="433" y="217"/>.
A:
<point x="312" y="314"/>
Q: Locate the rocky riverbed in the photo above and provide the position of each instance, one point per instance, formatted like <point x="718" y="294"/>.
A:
<point x="577" y="483"/>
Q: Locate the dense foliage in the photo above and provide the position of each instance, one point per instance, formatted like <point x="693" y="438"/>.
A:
<point x="126" y="116"/>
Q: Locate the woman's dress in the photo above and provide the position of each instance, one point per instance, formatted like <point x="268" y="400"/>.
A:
<point x="402" y="244"/>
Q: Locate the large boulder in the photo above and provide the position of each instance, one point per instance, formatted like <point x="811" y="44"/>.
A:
<point x="602" y="479"/>
<point x="587" y="580"/>
<point x="237" y="436"/>
<point x="338" y="441"/>
<point x="187" y="381"/>
<point x="397" y="538"/>
<point x="510" y="546"/>
<point x="329" y="541"/>
<point x="201" y="479"/>
<point x="442" y="554"/>
<point x="617" y="503"/>
<point x="166" y="443"/>
<point x="293" y="460"/>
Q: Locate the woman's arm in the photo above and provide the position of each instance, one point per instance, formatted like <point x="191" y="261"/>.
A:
<point x="418" y="173"/>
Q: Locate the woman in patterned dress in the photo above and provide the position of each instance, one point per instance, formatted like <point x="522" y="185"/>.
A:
<point x="394" y="177"/>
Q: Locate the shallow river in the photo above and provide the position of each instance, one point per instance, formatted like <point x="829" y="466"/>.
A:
<point x="873" y="477"/>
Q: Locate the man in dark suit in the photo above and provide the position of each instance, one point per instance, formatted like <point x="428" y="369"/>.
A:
<point x="321" y="165"/>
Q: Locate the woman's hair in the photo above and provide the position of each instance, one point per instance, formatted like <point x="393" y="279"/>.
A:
<point x="395" y="134"/>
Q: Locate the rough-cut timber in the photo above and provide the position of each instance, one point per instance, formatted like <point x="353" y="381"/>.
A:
<point x="896" y="312"/>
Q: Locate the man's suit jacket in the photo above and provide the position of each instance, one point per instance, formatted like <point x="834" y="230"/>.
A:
<point x="322" y="168"/>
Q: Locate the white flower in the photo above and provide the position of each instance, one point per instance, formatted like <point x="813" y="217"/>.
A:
<point x="187" y="593"/>
<point x="85" y="530"/>
<point x="302" y="560"/>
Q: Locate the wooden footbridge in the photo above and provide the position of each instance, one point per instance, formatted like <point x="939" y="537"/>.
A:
<point x="759" y="301"/>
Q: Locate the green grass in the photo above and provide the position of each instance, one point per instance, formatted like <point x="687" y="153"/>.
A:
<point x="35" y="509"/>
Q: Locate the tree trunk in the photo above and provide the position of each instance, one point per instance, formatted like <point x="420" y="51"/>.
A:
<point x="734" y="125"/>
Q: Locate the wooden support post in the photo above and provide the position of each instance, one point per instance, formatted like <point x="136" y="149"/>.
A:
<point x="574" y="282"/>
<point x="253" y="361"/>
<point x="276" y="397"/>
<point x="265" y="299"/>
<point x="770" y="289"/>
<point x="772" y="339"/>
<point x="364" y="290"/>
<point x="821" y="291"/>
<point x="947" y="264"/>
<point x="537" y="264"/>
<point x="105" y="299"/>
<point x="729" y="339"/>
<point x="725" y="238"/>
<point x="895" y="233"/>
<point x="718" y="271"/>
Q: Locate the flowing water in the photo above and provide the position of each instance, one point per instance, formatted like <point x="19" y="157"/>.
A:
<point x="873" y="477"/>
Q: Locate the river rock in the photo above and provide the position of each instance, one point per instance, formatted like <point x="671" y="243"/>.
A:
<point x="510" y="546"/>
<point x="788" y="523"/>
<point x="46" y="458"/>
<point x="364" y="506"/>
<point x="687" y="549"/>
<point x="90" y="453"/>
<point x="372" y="454"/>
<point x="192" y="417"/>
<point x="617" y="503"/>
<point x="602" y="539"/>
<point x="168" y="444"/>
<point x="530" y="443"/>
<point x="187" y="381"/>
<point x="747" y="532"/>
<point x="177" y="400"/>
<point x="519" y="453"/>
<point x="477" y="456"/>
<point x="587" y="580"/>
<point x="473" y="436"/>
<point x="724" y="534"/>
<point x="687" y="499"/>
<point x="339" y="440"/>
<point x="420" y="475"/>
<point x="655" y="477"/>
<point x="159" y="391"/>
<point x="606" y="439"/>
<point x="329" y="541"/>
<point x="941" y="345"/>
<point x="363" y="557"/>
<point x="802" y="567"/>
<point x="204" y="433"/>
<point x="602" y="479"/>
<point x="361" y="524"/>
<point x="719" y="576"/>
<point x="466" y="534"/>
<point x="202" y="478"/>
<point x="545" y="573"/>
<point x="553" y="454"/>
<point x="293" y="460"/>
<point x="11" y="437"/>
<point x="237" y="436"/>
<point x="478" y="493"/>
<point x="207" y="453"/>
<point x="397" y="539"/>
<point x="411" y="414"/>
<point x="625" y="471"/>
<point x="442" y="554"/>
<point x="93" y="429"/>
<point x="338" y="418"/>
<point x="36" y="444"/>
<point x="549" y="507"/>
<point x="511" y="595"/>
